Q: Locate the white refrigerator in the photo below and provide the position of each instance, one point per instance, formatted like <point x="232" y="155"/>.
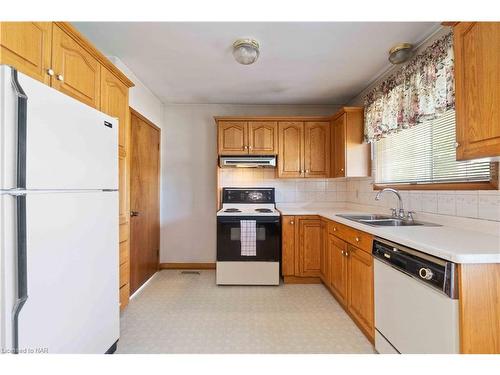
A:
<point x="59" y="287"/>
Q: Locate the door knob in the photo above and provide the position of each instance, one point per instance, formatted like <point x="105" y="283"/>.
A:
<point x="134" y="213"/>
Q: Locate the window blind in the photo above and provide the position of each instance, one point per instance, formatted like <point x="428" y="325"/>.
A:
<point x="425" y="154"/>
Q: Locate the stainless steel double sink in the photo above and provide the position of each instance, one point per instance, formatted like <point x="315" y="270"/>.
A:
<point x="378" y="220"/>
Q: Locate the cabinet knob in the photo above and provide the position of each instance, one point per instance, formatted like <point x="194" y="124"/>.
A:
<point x="50" y="72"/>
<point x="292" y="222"/>
<point x="307" y="170"/>
<point x="342" y="251"/>
<point x="60" y="77"/>
<point x="346" y="254"/>
<point x="250" y="147"/>
<point x="342" y="169"/>
<point x="134" y="213"/>
<point x="457" y="145"/>
<point x="334" y="229"/>
<point x="357" y="239"/>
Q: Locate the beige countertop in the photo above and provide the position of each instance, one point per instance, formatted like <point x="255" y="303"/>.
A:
<point x="451" y="243"/>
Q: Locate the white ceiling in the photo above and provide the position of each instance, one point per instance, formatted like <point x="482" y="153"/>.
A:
<point x="300" y="63"/>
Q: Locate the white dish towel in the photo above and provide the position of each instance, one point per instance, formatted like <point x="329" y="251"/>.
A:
<point x="248" y="237"/>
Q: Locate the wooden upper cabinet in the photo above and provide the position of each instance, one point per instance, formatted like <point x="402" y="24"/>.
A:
<point x="114" y="102"/>
<point x="232" y="137"/>
<point x="338" y="146"/>
<point x="477" y="89"/>
<point x="338" y="268"/>
<point x="310" y="244"/>
<point x="288" y="245"/>
<point x="360" y="288"/>
<point x="262" y="137"/>
<point x="317" y="149"/>
<point x="27" y="47"/>
<point x="291" y="149"/>
<point x="77" y="72"/>
<point x="350" y="156"/>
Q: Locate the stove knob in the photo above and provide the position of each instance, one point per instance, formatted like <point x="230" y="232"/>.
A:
<point x="425" y="273"/>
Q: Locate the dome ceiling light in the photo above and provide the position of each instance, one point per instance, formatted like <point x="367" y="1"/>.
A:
<point x="246" y="51"/>
<point x="400" y="53"/>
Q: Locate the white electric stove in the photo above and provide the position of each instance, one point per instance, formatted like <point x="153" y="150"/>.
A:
<point x="258" y="264"/>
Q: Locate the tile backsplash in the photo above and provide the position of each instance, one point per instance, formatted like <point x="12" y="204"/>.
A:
<point x="482" y="204"/>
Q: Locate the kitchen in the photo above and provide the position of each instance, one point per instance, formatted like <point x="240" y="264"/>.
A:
<point x="262" y="209"/>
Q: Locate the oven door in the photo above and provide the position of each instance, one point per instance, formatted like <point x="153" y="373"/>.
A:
<point x="268" y="238"/>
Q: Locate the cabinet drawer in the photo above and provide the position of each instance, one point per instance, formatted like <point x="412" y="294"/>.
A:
<point x="353" y="236"/>
<point x="124" y="274"/>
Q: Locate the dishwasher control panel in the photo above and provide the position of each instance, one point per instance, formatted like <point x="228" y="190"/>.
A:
<point x="435" y="272"/>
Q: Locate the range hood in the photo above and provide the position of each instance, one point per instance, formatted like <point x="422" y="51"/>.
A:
<point x="247" y="161"/>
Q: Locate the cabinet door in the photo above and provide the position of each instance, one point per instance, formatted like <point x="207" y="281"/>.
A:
<point x="27" y="47"/>
<point x="477" y="93"/>
<point x="263" y="138"/>
<point x="114" y="102"/>
<point x="325" y="260"/>
<point x="288" y="246"/>
<point x="338" y="268"/>
<point x="310" y="244"/>
<point x="338" y="146"/>
<point x="360" y="295"/>
<point x="77" y="72"/>
<point x="232" y="138"/>
<point x="291" y="149"/>
<point x="317" y="149"/>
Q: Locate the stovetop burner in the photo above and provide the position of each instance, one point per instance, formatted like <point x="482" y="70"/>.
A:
<point x="263" y="210"/>
<point x="232" y="210"/>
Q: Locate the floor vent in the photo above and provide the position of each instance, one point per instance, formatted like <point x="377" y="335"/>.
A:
<point x="190" y="272"/>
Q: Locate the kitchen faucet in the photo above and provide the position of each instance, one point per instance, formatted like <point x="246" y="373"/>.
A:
<point x="400" y="212"/>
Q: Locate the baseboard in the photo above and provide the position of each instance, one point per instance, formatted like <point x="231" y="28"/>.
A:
<point x="187" y="266"/>
<point x="301" y="280"/>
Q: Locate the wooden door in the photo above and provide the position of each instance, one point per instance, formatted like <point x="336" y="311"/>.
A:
<point x="27" y="47"/>
<point x="477" y="89"/>
<point x="77" y="72"/>
<point x="325" y="259"/>
<point x="291" y="149"/>
<point x="233" y="137"/>
<point x="310" y="243"/>
<point x="317" y="149"/>
<point x="263" y="137"/>
<point x="144" y="201"/>
<point x="288" y="245"/>
<point x="338" y="269"/>
<point x="360" y="285"/>
<point x="338" y="146"/>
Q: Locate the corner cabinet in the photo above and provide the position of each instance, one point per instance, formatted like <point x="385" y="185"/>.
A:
<point x="350" y="156"/>
<point x="477" y="89"/>
<point x="56" y="54"/>
<point x="304" y="149"/>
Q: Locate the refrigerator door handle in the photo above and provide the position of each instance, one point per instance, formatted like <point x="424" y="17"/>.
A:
<point x="21" y="262"/>
<point x="22" y="269"/>
<point x="22" y="109"/>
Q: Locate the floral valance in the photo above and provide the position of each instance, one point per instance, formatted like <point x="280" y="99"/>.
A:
<point x="423" y="89"/>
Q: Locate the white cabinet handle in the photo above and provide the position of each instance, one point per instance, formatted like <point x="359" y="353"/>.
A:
<point x="50" y="72"/>
<point x="60" y="77"/>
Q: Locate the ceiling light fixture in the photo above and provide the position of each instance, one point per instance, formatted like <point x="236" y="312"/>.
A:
<point x="400" y="53"/>
<point x="246" y="51"/>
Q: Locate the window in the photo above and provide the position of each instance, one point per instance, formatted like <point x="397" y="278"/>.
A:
<point x="425" y="154"/>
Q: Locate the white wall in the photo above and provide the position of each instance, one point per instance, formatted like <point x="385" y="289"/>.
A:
<point x="140" y="97"/>
<point x="189" y="160"/>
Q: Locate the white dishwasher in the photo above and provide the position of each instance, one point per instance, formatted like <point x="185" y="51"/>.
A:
<point x="416" y="301"/>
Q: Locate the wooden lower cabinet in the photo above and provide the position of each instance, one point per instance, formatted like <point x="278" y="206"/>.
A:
<point x="288" y="246"/>
<point x="338" y="266"/>
<point x="310" y="244"/>
<point x="360" y="289"/>
<point x="325" y="258"/>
